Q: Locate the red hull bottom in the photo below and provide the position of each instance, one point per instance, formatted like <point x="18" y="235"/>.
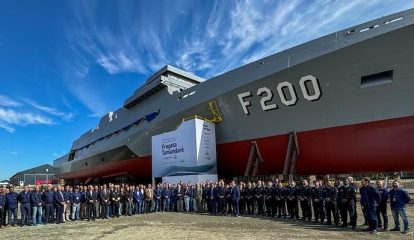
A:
<point x="380" y="146"/>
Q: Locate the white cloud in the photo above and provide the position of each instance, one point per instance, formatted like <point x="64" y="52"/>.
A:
<point x="9" y="119"/>
<point x="8" y="102"/>
<point x="52" y="111"/>
<point x="206" y="40"/>
<point x="58" y="155"/>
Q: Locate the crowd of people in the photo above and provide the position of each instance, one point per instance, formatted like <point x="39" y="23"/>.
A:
<point x="326" y="202"/>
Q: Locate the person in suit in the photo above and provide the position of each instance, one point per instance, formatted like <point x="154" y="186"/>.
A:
<point x="104" y="196"/>
<point x="91" y="198"/>
<point x="221" y="198"/>
<point x="228" y="209"/>
<point x="179" y="196"/>
<point x="59" y="202"/>
<point x="138" y="198"/>
<point x="212" y="200"/>
<point x="205" y="201"/>
<point x="269" y="199"/>
<point x="115" y="199"/>
<point x="249" y="199"/>
<point x="235" y="198"/>
<point x="157" y="198"/>
<point x="173" y="198"/>
<point x="67" y="207"/>
<point x="128" y="198"/>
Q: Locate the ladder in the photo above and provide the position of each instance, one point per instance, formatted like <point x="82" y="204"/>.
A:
<point x="255" y="158"/>
<point x="292" y="155"/>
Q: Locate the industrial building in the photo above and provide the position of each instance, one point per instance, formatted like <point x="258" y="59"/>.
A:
<point x="43" y="174"/>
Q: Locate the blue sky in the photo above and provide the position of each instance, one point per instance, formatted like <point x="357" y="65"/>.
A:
<point x="63" y="64"/>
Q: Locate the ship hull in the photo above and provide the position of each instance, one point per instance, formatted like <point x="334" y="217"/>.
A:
<point x="380" y="146"/>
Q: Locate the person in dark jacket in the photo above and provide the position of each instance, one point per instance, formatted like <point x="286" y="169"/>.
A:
<point x="399" y="198"/>
<point x="346" y="204"/>
<point x="104" y="199"/>
<point x="75" y="201"/>
<point x="24" y="199"/>
<point x="166" y="196"/>
<point x="317" y="202"/>
<point x="235" y="198"/>
<point x="2" y="207"/>
<point x="37" y="204"/>
<point x="115" y="199"/>
<point x="158" y="198"/>
<point x="370" y="198"/>
<point x="329" y="194"/>
<point x="11" y="206"/>
<point x="249" y="199"/>
<point x="47" y="198"/>
<point x="91" y="198"/>
<point x="305" y="200"/>
<point x="59" y="202"/>
<point x="292" y="192"/>
<point x="382" y="206"/>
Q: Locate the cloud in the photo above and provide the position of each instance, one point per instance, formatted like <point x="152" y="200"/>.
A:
<point x="10" y="118"/>
<point x="208" y="39"/>
<point x="8" y="102"/>
<point x="58" y="155"/>
<point x="52" y="111"/>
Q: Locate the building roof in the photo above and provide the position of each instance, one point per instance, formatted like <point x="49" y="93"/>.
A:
<point x="43" y="169"/>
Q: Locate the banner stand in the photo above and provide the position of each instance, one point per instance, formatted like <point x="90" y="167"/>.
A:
<point x="190" y="179"/>
<point x="187" y="154"/>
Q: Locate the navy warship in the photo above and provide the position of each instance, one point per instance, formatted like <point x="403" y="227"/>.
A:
<point x="341" y="103"/>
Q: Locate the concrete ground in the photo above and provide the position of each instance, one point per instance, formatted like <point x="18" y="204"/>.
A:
<point x="196" y="226"/>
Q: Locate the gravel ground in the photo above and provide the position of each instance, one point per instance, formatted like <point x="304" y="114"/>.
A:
<point x="195" y="226"/>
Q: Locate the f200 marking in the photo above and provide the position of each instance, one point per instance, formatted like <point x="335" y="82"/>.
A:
<point x="286" y="92"/>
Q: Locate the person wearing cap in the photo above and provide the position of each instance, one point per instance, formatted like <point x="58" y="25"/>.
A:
<point x="2" y="206"/>
<point x="370" y="198"/>
<point x="11" y="206"/>
<point x="75" y="199"/>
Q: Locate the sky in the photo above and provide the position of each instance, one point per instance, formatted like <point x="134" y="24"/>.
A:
<point x="64" y="64"/>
